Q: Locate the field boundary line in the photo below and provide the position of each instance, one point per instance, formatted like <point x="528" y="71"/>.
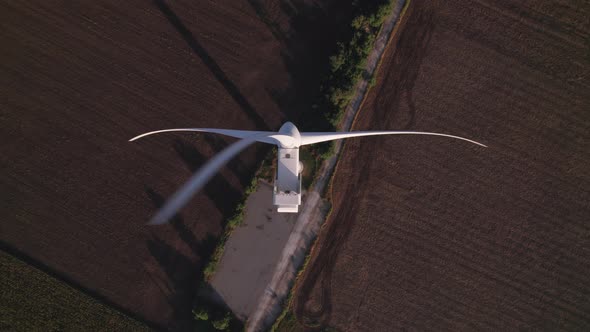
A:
<point x="69" y="282"/>
<point x="315" y="246"/>
<point x="314" y="213"/>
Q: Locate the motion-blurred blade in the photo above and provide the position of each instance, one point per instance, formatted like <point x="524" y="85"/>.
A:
<point x="199" y="179"/>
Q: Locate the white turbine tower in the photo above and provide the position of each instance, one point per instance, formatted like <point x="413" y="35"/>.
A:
<point x="287" y="186"/>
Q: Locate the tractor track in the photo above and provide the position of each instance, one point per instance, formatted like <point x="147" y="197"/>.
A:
<point x="410" y="49"/>
<point x="452" y="238"/>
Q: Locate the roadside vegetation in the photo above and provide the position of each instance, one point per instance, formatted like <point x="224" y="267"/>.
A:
<point x="215" y="319"/>
<point x="287" y="320"/>
<point x="310" y="165"/>
<point x="347" y="68"/>
<point x="231" y="224"/>
<point x="32" y="300"/>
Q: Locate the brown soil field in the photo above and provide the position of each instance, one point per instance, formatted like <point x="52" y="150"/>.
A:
<point x="80" y="78"/>
<point x="436" y="234"/>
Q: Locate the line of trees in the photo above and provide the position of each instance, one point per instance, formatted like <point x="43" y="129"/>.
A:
<point x="347" y="68"/>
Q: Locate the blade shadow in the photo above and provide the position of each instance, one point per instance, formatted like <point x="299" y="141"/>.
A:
<point x="184" y="271"/>
<point x="215" y="69"/>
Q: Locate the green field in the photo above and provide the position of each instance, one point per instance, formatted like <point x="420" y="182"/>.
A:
<point x="32" y="300"/>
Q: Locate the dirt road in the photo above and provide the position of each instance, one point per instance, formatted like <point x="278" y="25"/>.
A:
<point x="314" y="209"/>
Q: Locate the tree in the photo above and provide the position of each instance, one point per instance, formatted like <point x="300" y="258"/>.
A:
<point x="201" y="314"/>
<point x="222" y="324"/>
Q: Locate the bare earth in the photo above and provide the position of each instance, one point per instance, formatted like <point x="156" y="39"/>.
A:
<point x="78" y="79"/>
<point x="430" y="233"/>
<point x="252" y="252"/>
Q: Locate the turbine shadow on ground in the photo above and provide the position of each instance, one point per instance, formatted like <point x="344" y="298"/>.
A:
<point x="181" y="273"/>
<point x="181" y="269"/>
<point x="215" y="69"/>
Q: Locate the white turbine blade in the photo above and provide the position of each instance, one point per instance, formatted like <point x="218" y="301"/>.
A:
<point x="198" y="180"/>
<point x="311" y="138"/>
<point x="263" y="135"/>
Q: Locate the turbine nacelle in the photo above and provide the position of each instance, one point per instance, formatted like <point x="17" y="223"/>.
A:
<point x="290" y="130"/>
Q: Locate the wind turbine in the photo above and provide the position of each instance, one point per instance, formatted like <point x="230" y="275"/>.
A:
<point x="287" y="186"/>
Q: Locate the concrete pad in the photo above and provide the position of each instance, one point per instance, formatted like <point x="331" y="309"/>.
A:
<point x="252" y="252"/>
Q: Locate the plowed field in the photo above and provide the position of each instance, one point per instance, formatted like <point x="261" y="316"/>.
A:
<point x="431" y="233"/>
<point x="78" y="79"/>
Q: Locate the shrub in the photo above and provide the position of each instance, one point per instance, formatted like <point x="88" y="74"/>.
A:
<point x="201" y="314"/>
<point x="232" y="223"/>
<point x="222" y="324"/>
<point x="347" y="65"/>
<point x="327" y="150"/>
